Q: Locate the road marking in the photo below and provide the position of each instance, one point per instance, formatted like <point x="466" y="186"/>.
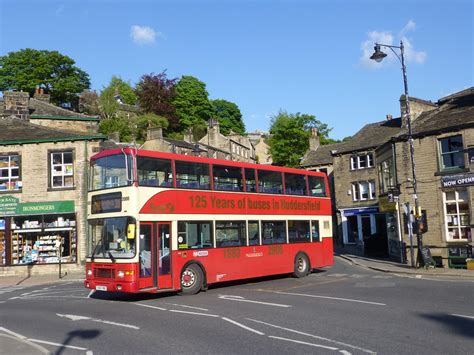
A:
<point x="57" y="344"/>
<point x="242" y="326"/>
<point x="241" y="299"/>
<point x="77" y="317"/>
<point x="331" y="298"/>
<point x="12" y="333"/>
<point x="154" y="307"/>
<point x="186" y="306"/>
<point x="304" y="343"/>
<point x="314" y="336"/>
<point x="90" y="293"/>
<point x="337" y="275"/>
<point x="195" y="313"/>
<point x="462" y="316"/>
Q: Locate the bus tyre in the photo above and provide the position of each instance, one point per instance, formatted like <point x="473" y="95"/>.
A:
<point x="301" y="265"/>
<point x="191" y="280"/>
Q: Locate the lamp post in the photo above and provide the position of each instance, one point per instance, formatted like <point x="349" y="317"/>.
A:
<point x="378" y="56"/>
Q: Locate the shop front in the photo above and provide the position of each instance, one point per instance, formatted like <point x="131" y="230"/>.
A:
<point x="389" y="205"/>
<point x="37" y="232"/>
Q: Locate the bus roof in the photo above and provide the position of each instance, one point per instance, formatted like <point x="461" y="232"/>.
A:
<point x="173" y="156"/>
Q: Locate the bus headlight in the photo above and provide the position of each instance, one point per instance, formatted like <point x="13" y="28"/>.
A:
<point x="89" y="272"/>
<point x="121" y="273"/>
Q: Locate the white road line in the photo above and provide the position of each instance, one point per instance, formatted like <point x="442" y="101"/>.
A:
<point x="195" y="313"/>
<point x="242" y="326"/>
<point x="74" y="317"/>
<point x="154" y="307"/>
<point x="304" y="343"/>
<point x="12" y="333"/>
<point x="314" y="336"/>
<point x="57" y="344"/>
<point x="240" y="299"/>
<point x="186" y="306"/>
<point x="462" y="316"/>
<point x="50" y="293"/>
<point x="330" y="298"/>
<point x="90" y="293"/>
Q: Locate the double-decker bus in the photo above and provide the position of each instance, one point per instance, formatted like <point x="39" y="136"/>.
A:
<point x="161" y="221"/>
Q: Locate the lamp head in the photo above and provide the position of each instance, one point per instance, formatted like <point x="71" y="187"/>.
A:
<point x="378" y="54"/>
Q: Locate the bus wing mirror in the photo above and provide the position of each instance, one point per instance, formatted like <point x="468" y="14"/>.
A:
<point x="130" y="231"/>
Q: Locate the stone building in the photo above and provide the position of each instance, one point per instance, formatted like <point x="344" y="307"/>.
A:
<point x="444" y="161"/>
<point x="44" y="152"/>
<point x="262" y="149"/>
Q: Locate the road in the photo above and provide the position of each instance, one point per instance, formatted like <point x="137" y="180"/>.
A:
<point x="341" y="310"/>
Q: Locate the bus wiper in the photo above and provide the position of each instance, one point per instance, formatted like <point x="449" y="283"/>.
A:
<point x="93" y="252"/>
<point x="111" y="256"/>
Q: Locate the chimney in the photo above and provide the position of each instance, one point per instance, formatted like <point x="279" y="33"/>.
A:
<point x="389" y="117"/>
<point x="16" y="104"/>
<point x="213" y="133"/>
<point x="188" y="135"/>
<point x="41" y="96"/>
<point x="417" y="107"/>
<point x="114" y="136"/>
<point x="314" y="139"/>
<point x="153" y="133"/>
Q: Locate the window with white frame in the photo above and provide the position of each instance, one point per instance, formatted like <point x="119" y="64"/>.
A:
<point x="362" y="161"/>
<point x="456" y="211"/>
<point x="10" y="173"/>
<point x="386" y="176"/>
<point x="451" y="153"/>
<point x="363" y="190"/>
<point x="62" y="169"/>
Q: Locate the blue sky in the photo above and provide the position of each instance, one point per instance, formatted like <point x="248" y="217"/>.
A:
<point x="298" y="56"/>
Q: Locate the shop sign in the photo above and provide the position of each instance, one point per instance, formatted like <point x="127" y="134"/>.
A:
<point x="10" y="206"/>
<point x="458" y="180"/>
<point x="356" y="211"/>
<point x="385" y="205"/>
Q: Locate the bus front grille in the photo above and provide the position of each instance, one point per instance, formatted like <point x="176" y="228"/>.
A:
<point x="104" y="273"/>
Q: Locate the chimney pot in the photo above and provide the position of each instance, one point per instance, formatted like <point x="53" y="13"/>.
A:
<point x="389" y="117"/>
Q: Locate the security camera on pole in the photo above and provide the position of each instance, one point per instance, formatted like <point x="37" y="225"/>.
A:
<point x="378" y="56"/>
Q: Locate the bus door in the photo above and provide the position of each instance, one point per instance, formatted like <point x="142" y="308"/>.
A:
<point x="155" y="255"/>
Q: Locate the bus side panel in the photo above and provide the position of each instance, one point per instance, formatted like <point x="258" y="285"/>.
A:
<point x="328" y="251"/>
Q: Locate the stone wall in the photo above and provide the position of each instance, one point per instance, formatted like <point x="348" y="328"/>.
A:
<point x="77" y="126"/>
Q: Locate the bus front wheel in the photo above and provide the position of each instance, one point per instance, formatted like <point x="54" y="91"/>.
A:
<point x="301" y="265"/>
<point x="191" y="280"/>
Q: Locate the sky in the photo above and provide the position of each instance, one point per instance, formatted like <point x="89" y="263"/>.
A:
<point x="297" y="56"/>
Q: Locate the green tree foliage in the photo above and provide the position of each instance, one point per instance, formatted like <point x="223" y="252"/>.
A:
<point x="89" y="103"/>
<point x="290" y="136"/>
<point x="193" y="107"/>
<point x="229" y="116"/>
<point x="110" y="97"/>
<point x="143" y="122"/>
<point x="156" y="94"/>
<point x="28" y="68"/>
<point x="120" y="124"/>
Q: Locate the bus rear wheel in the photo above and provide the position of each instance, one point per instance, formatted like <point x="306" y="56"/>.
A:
<point x="191" y="280"/>
<point x="301" y="265"/>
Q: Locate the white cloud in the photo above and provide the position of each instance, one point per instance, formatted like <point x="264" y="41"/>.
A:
<point x="411" y="55"/>
<point x="143" y="34"/>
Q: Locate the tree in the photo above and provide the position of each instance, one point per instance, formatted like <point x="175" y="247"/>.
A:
<point x="120" y="124"/>
<point x="156" y="94"/>
<point x="28" y="68"/>
<point x="193" y="107"/>
<point x="89" y="103"/>
<point x="290" y="136"/>
<point x="117" y="92"/>
<point x="229" y="116"/>
<point x="143" y="122"/>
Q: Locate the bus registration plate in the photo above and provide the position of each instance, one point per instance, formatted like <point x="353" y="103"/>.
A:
<point x="101" y="288"/>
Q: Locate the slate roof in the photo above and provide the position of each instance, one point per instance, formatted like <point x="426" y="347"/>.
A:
<point x="320" y="156"/>
<point x="16" y="131"/>
<point x="40" y="109"/>
<point x="454" y="112"/>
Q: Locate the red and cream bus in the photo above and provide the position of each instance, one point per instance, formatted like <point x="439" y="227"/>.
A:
<point x="162" y="221"/>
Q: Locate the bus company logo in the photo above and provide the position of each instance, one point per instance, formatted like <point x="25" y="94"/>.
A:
<point x="254" y="255"/>
<point x="200" y="253"/>
<point x="163" y="208"/>
<point x="220" y="276"/>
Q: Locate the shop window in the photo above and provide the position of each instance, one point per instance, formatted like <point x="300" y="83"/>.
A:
<point x="352" y="230"/>
<point x="192" y="175"/>
<point x="456" y="209"/>
<point x="10" y="178"/>
<point x="451" y="153"/>
<point x="270" y="182"/>
<point x="295" y="184"/>
<point x="386" y="176"/>
<point x="317" y="186"/>
<point x="298" y="231"/>
<point x="62" y="170"/>
<point x="194" y="235"/>
<point x="154" y="172"/>
<point x="471" y="155"/>
<point x="273" y="232"/>
<point x="227" y="178"/>
<point x="230" y="234"/>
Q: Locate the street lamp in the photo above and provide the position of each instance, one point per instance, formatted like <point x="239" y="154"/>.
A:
<point x="378" y="56"/>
